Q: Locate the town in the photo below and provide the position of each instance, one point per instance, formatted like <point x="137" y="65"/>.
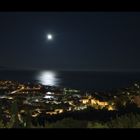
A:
<point x="48" y="100"/>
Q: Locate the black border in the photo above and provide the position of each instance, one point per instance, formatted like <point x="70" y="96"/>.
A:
<point x="70" y="133"/>
<point x="70" y="5"/>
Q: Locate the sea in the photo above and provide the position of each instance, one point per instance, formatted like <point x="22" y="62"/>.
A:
<point x="80" y="80"/>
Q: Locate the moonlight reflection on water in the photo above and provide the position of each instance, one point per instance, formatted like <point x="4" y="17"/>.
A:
<point x="48" y="78"/>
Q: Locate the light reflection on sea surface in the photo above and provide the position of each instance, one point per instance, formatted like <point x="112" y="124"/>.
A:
<point x="49" y="78"/>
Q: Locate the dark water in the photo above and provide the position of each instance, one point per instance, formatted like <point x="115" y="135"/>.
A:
<point x="83" y="80"/>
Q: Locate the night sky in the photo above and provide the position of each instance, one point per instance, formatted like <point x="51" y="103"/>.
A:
<point x="81" y="40"/>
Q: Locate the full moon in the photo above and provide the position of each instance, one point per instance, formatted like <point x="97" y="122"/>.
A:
<point x="49" y="37"/>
